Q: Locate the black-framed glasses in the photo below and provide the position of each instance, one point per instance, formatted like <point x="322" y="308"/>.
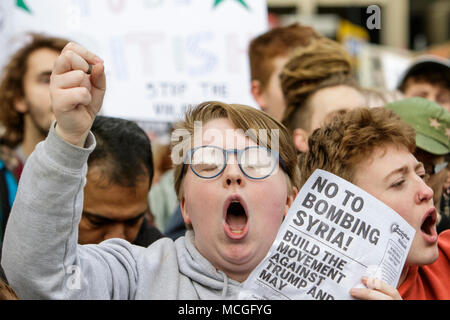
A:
<point x="255" y="162"/>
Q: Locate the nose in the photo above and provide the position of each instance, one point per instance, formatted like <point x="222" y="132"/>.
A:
<point x="425" y="193"/>
<point x="115" y="230"/>
<point x="233" y="175"/>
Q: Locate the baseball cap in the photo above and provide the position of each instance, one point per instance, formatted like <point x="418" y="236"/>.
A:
<point x="422" y="63"/>
<point x="430" y="121"/>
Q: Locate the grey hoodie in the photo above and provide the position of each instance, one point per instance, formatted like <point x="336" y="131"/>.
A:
<point x="42" y="259"/>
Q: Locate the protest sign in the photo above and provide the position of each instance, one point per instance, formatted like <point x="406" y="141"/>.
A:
<point x="333" y="234"/>
<point x="160" y="55"/>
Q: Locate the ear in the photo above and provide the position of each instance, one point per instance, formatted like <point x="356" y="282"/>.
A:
<point x="290" y="200"/>
<point x="20" y="105"/>
<point x="186" y="218"/>
<point x="258" y="93"/>
<point x="300" y="140"/>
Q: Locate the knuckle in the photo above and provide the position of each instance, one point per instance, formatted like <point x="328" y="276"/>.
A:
<point x="85" y="92"/>
<point x="70" y="45"/>
<point x="68" y="54"/>
<point x="79" y="75"/>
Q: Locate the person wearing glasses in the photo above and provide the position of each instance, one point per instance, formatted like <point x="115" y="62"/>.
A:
<point x="209" y="161"/>
<point x="432" y="125"/>
<point x="236" y="175"/>
<point x="234" y="225"/>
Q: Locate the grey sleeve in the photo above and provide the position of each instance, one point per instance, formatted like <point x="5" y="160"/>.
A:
<point x="41" y="257"/>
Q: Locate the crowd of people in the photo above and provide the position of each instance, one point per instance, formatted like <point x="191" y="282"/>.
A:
<point x="87" y="202"/>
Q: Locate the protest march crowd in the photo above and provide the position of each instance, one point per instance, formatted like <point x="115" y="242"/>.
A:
<point x="88" y="213"/>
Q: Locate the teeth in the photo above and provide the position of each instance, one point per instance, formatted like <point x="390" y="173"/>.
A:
<point x="237" y="231"/>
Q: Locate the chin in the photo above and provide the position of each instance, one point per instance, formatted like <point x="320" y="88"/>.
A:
<point x="424" y="256"/>
<point x="245" y="256"/>
<point x="238" y="253"/>
<point x="434" y="254"/>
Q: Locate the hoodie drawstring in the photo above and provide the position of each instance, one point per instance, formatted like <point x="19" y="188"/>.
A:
<point x="225" y="284"/>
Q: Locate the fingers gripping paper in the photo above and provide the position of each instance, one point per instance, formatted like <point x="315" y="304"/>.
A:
<point x="333" y="234"/>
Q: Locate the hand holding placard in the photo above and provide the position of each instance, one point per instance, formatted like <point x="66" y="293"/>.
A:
<point x="333" y="236"/>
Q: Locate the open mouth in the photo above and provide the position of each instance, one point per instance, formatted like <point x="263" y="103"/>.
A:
<point x="236" y="218"/>
<point x="428" y="226"/>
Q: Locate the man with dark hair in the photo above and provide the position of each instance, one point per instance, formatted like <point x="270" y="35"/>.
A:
<point x="120" y="173"/>
<point x="234" y="208"/>
<point x="119" y="177"/>
<point x="428" y="77"/>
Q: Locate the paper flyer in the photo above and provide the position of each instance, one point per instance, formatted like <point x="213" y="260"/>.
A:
<point x="333" y="234"/>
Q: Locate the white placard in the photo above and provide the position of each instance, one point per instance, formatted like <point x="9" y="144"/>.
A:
<point x="333" y="234"/>
<point x="160" y="55"/>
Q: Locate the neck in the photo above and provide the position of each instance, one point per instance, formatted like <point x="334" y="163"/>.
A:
<point x="239" y="277"/>
<point x="32" y="136"/>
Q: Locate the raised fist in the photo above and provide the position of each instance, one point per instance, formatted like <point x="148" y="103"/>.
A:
<point x="77" y="88"/>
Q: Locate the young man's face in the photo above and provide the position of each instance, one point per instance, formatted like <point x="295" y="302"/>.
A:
<point x="234" y="238"/>
<point x="36" y="104"/>
<point x="271" y="99"/>
<point x="393" y="175"/>
<point x="436" y="93"/>
<point x="112" y="211"/>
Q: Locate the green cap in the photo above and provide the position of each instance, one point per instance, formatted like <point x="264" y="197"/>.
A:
<point x="429" y="119"/>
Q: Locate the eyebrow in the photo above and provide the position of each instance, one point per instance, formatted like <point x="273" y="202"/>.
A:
<point x="45" y="73"/>
<point x="404" y="169"/>
<point x="419" y="165"/>
<point x="105" y="220"/>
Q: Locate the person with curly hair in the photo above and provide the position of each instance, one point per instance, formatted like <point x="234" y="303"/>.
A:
<point x="25" y="110"/>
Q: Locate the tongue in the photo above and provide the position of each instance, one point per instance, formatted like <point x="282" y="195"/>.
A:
<point x="236" y="222"/>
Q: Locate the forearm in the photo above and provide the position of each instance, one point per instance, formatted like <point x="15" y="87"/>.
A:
<point x="40" y="247"/>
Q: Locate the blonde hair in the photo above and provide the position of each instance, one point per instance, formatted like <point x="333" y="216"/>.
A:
<point x="249" y="119"/>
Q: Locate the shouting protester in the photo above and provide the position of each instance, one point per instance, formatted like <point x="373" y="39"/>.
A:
<point x="373" y="149"/>
<point x="235" y="176"/>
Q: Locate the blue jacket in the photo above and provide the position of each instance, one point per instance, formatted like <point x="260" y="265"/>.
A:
<point x="8" y="190"/>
